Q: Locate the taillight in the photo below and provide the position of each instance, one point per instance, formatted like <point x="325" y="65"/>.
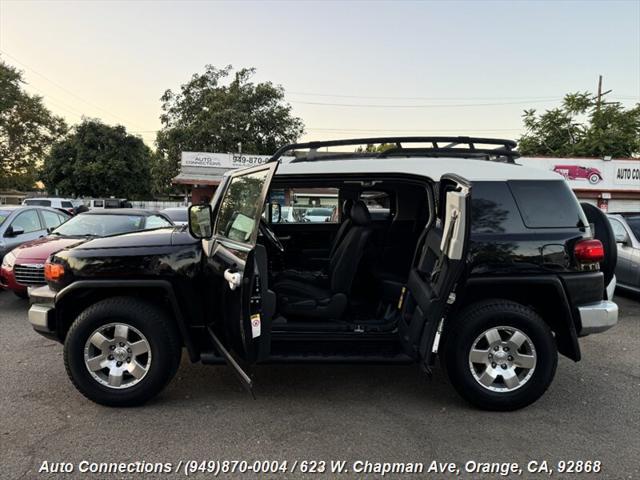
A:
<point x="53" y="271"/>
<point x="589" y="251"/>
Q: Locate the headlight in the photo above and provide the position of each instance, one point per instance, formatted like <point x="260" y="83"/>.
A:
<point x="9" y="260"/>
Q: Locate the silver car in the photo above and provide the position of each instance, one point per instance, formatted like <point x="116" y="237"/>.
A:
<point x="626" y="227"/>
<point x="20" y="224"/>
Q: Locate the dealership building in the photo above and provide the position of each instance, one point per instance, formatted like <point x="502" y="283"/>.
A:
<point x="611" y="184"/>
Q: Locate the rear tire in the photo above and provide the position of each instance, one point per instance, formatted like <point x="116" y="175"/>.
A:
<point x="499" y="355"/>
<point x="144" y="330"/>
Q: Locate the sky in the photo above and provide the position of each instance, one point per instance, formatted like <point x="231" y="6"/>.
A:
<point x="349" y="69"/>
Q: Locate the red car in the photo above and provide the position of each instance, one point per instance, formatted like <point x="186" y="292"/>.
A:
<point x="577" y="172"/>
<point x="23" y="266"/>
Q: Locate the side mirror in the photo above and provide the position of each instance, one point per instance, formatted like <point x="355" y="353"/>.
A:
<point x="200" y="223"/>
<point x="13" y="231"/>
<point x="276" y="212"/>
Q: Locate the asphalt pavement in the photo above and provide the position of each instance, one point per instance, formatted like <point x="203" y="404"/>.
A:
<point x="318" y="413"/>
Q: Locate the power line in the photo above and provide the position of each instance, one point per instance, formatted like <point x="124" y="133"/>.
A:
<point x="4" y="52"/>
<point x="443" y="105"/>
<point x="332" y="95"/>
<point x="378" y="97"/>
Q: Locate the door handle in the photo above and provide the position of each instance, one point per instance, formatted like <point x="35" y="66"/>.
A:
<point x="233" y="278"/>
<point x="285" y="238"/>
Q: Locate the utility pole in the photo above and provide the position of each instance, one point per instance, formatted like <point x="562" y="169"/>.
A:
<point x="600" y="94"/>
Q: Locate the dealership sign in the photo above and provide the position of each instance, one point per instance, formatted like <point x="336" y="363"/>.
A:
<point x="591" y="173"/>
<point x="222" y="160"/>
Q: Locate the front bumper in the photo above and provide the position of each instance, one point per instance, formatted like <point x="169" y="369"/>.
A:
<point x="8" y="281"/>
<point x="597" y="317"/>
<point x="42" y="311"/>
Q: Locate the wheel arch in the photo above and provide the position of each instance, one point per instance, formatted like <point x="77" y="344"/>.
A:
<point x="79" y="295"/>
<point x="548" y="299"/>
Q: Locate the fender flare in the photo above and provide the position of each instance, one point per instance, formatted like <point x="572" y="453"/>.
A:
<point x="164" y="285"/>
<point x="565" y="328"/>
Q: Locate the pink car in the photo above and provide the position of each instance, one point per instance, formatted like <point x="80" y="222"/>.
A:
<point x="577" y="172"/>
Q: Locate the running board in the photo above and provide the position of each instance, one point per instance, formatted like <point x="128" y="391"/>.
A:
<point x="245" y="380"/>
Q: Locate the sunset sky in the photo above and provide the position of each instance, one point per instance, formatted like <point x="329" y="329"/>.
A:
<point x="349" y="69"/>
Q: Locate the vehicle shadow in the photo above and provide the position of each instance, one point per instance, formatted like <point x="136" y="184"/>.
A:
<point x="307" y="383"/>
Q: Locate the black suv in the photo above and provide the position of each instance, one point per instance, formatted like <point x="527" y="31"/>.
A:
<point x="429" y="247"/>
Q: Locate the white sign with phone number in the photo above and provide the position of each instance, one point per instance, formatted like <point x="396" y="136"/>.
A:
<point x="222" y="160"/>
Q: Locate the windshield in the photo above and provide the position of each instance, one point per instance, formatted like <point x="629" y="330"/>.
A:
<point x="101" y="225"/>
<point x="633" y="222"/>
<point x="41" y="203"/>
<point x="178" y="215"/>
<point x="4" y="214"/>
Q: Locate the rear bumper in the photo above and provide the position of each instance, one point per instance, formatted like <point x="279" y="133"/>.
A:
<point x="42" y="311"/>
<point x="597" y="317"/>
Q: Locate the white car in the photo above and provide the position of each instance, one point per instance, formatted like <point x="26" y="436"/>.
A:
<point x="69" y="205"/>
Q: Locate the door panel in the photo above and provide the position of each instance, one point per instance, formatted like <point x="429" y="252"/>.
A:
<point x="438" y="268"/>
<point x="238" y="265"/>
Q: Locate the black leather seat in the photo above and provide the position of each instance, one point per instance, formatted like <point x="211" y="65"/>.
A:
<point x="328" y="298"/>
<point x="319" y="277"/>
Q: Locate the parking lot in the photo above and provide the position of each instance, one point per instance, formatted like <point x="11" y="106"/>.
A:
<point x="319" y="412"/>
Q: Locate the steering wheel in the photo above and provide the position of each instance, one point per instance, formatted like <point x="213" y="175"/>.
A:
<point x="269" y="234"/>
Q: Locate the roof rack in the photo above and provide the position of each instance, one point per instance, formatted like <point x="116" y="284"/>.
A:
<point x="464" y="147"/>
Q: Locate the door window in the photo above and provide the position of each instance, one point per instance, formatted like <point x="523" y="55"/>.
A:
<point x="241" y="207"/>
<point x="28" y="221"/>
<point x="306" y="205"/>
<point x="51" y="219"/>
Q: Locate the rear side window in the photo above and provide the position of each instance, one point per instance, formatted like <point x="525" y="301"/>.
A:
<point x="67" y="205"/>
<point x="378" y="203"/>
<point x="547" y="204"/>
<point x="98" y="203"/>
<point x="493" y="209"/>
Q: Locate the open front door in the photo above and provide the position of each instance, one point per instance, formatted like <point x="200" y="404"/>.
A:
<point x="438" y="267"/>
<point x="241" y="325"/>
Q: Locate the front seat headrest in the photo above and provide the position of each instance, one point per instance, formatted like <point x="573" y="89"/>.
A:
<point x="347" y="205"/>
<point x="360" y="214"/>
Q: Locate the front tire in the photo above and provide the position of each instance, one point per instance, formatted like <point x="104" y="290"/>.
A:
<point x="500" y="355"/>
<point x="121" y="351"/>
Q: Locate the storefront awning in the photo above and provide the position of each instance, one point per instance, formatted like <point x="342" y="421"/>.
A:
<point x="194" y="179"/>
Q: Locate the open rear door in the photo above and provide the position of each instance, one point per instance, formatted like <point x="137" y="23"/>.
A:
<point x="439" y="265"/>
<point x="241" y="323"/>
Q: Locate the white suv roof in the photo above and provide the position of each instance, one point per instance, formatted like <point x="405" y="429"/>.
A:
<point x="434" y="168"/>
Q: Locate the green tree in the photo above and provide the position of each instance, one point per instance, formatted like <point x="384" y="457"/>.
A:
<point x="379" y="148"/>
<point x="99" y="160"/>
<point x="578" y="127"/>
<point x="27" y="129"/>
<point x="216" y="110"/>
